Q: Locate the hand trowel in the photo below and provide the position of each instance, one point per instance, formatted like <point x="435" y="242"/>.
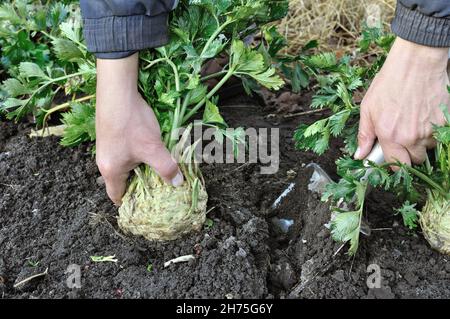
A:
<point x="319" y="180"/>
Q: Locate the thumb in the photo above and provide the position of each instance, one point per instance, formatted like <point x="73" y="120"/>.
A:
<point x="160" y="159"/>
<point x="366" y="135"/>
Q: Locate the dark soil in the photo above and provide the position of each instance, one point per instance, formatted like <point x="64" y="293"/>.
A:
<point x="54" y="212"/>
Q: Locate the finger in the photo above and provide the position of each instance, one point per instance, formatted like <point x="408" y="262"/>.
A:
<point x="160" y="159"/>
<point x="430" y="143"/>
<point x="366" y="135"/>
<point x="116" y="186"/>
<point x="417" y="153"/>
<point x="395" y="152"/>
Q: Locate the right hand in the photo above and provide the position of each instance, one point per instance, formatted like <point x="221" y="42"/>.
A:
<point x="127" y="131"/>
<point x="402" y="103"/>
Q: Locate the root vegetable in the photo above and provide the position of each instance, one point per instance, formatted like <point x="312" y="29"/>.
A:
<point x="170" y="79"/>
<point x="158" y="211"/>
<point x="435" y="222"/>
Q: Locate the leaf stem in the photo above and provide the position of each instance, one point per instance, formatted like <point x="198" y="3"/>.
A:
<point x="51" y="81"/>
<point x="214" y="75"/>
<point x="214" y="35"/>
<point x="423" y="177"/>
<point x="176" y="116"/>
<point x="152" y="63"/>
<point x="194" y="110"/>
<point x="65" y="105"/>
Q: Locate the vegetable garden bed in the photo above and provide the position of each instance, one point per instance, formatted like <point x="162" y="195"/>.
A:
<point x="219" y="234"/>
<point x="54" y="212"/>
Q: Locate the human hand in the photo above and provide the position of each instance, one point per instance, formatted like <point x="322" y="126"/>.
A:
<point x="127" y="130"/>
<point x="403" y="102"/>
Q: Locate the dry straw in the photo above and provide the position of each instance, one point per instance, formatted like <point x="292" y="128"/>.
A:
<point x="335" y="23"/>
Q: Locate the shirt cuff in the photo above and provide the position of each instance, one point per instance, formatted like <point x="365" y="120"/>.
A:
<point x="414" y="26"/>
<point x="117" y="37"/>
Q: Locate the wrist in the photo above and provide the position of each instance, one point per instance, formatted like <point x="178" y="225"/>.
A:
<point x="429" y="58"/>
<point x="117" y="79"/>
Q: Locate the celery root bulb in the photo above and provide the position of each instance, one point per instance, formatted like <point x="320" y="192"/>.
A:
<point x="435" y="223"/>
<point x="158" y="211"/>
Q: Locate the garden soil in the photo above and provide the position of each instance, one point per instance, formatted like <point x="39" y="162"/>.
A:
<point x="55" y="215"/>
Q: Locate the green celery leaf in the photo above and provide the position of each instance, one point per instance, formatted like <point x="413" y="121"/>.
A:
<point x="211" y="115"/>
<point x="346" y="227"/>
<point x="14" y="88"/>
<point x="80" y="122"/>
<point x="29" y="70"/>
<point x="410" y="215"/>
<point x="67" y="50"/>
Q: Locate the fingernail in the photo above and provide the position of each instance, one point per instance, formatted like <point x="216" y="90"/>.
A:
<point x="358" y="153"/>
<point x="177" y="180"/>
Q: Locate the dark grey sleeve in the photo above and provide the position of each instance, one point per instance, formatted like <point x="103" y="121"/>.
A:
<point x="117" y="28"/>
<point x="425" y="22"/>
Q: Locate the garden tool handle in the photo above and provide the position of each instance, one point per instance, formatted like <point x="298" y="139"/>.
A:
<point x="376" y="156"/>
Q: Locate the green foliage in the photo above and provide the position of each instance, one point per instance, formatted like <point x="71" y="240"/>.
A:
<point x="209" y="223"/>
<point x="170" y="76"/>
<point x="338" y="83"/>
<point x="292" y="67"/>
<point x="80" y="124"/>
<point x="250" y="63"/>
<point x="374" y="36"/>
<point x="23" y="26"/>
<point x="336" y="89"/>
<point x="33" y="263"/>
<point x="346" y="227"/>
<point x="407" y="182"/>
<point x="44" y="53"/>
<point x="410" y="214"/>
<point x="36" y="78"/>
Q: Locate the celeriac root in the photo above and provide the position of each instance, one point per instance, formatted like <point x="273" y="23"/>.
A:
<point x="435" y="223"/>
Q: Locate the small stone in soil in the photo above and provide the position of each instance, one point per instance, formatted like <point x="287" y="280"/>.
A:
<point x="100" y="181"/>
<point x="4" y="155"/>
<point x="241" y="253"/>
<point x="283" y="276"/>
<point x="339" y="275"/>
<point x="240" y="216"/>
<point x="411" y="278"/>
<point x="198" y="249"/>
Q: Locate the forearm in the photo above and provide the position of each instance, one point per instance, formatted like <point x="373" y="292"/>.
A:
<point x="117" y="92"/>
